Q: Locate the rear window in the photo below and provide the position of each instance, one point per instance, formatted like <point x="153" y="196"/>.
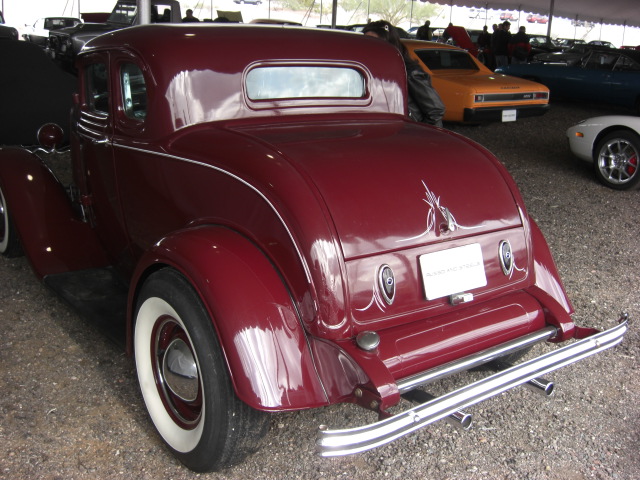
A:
<point x="311" y="81"/>
<point x="447" y="60"/>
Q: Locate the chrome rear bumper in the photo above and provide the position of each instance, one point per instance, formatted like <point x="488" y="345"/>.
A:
<point x="332" y="443"/>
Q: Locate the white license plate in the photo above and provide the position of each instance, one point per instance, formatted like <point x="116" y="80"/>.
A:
<point x="509" y="115"/>
<point x="452" y="271"/>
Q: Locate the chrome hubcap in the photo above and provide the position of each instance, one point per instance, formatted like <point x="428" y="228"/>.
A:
<point x="180" y="371"/>
<point x="176" y="373"/>
<point x="4" y="225"/>
<point x="618" y="161"/>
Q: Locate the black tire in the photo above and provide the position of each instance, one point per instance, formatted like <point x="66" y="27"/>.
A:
<point x="616" y="160"/>
<point x="193" y="407"/>
<point x="9" y="241"/>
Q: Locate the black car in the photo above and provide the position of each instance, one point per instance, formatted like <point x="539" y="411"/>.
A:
<point x="542" y="44"/>
<point x="38" y="33"/>
<point x="568" y="43"/>
<point x="65" y="43"/>
<point x="7" y="32"/>
<point x="573" y="56"/>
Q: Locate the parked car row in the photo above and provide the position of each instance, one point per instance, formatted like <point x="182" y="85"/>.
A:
<point x="65" y="43"/>
<point x="601" y="75"/>
<point x="38" y="33"/>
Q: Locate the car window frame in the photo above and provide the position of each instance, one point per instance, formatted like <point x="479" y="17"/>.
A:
<point x="88" y="97"/>
<point x="124" y="122"/>
<point x="462" y="53"/>
<point x="314" y="102"/>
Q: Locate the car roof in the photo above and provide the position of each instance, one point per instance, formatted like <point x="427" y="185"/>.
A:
<point x="171" y="48"/>
<point x="420" y="44"/>
<point x="212" y="60"/>
<point x="633" y="54"/>
<point x="190" y="41"/>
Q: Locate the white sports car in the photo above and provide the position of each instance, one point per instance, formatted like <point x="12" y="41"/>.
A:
<point x="612" y="143"/>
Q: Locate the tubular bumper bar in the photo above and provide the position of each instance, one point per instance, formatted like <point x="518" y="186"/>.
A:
<point x="333" y="443"/>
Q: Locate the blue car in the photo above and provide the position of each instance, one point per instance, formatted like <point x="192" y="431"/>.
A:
<point x="609" y="76"/>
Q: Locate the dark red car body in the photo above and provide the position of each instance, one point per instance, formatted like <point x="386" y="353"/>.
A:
<point x="283" y="213"/>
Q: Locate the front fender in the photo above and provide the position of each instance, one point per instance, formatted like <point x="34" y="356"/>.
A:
<point x="263" y="341"/>
<point x="53" y="238"/>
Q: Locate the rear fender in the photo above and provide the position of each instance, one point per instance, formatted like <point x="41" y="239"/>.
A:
<point x="52" y="236"/>
<point x="548" y="287"/>
<point x="263" y="341"/>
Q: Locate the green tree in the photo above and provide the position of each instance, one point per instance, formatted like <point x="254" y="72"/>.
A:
<point x="394" y="11"/>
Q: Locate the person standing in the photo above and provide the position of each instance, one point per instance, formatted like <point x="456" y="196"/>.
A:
<point x="520" y="46"/>
<point x="424" y="32"/>
<point x="501" y="44"/>
<point x="190" y="17"/>
<point x="484" y="46"/>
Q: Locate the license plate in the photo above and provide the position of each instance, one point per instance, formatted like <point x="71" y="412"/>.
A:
<point x="509" y="115"/>
<point x="452" y="271"/>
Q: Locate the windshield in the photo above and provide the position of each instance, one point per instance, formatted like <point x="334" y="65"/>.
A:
<point x="124" y="13"/>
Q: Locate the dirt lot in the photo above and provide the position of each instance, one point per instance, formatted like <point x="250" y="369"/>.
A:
<point x="70" y="406"/>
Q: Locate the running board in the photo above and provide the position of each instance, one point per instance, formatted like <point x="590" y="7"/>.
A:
<point x="97" y="295"/>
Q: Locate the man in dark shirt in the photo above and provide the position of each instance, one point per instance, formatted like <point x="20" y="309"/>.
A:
<point x="501" y="44"/>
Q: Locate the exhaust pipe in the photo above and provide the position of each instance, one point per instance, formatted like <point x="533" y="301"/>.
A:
<point x="541" y="386"/>
<point x="538" y="385"/>
<point x="458" y="419"/>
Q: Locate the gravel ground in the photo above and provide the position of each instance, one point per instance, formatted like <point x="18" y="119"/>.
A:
<point x="70" y="406"/>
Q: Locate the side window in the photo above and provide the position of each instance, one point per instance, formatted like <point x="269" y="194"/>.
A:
<point x="97" y="85"/>
<point x="626" y="64"/>
<point x="134" y="91"/>
<point x="164" y="17"/>
<point x="601" y="61"/>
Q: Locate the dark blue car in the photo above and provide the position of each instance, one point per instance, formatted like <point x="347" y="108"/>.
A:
<point x="609" y="76"/>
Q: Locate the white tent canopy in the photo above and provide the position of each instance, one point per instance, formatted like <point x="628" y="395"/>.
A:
<point x="613" y="12"/>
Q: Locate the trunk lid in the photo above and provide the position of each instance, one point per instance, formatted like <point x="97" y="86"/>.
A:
<point x="392" y="185"/>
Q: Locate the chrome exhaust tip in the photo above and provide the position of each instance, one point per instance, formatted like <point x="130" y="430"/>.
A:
<point x="461" y="420"/>
<point x="458" y="419"/>
<point x="541" y="386"/>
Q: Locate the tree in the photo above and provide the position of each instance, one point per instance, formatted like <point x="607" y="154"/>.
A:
<point x="394" y="11"/>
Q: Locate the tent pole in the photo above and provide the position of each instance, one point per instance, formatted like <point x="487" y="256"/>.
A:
<point x="551" y="9"/>
<point x="144" y="7"/>
<point x="334" y="13"/>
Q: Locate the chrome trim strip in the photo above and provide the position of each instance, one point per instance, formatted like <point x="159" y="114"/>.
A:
<point x="331" y="443"/>
<point x="475" y="360"/>
<point x="235" y="177"/>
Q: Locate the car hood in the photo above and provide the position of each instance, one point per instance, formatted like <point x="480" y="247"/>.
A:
<point x="390" y="185"/>
<point x="490" y="83"/>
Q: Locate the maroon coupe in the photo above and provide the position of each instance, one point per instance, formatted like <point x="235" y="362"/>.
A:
<point x="253" y="209"/>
